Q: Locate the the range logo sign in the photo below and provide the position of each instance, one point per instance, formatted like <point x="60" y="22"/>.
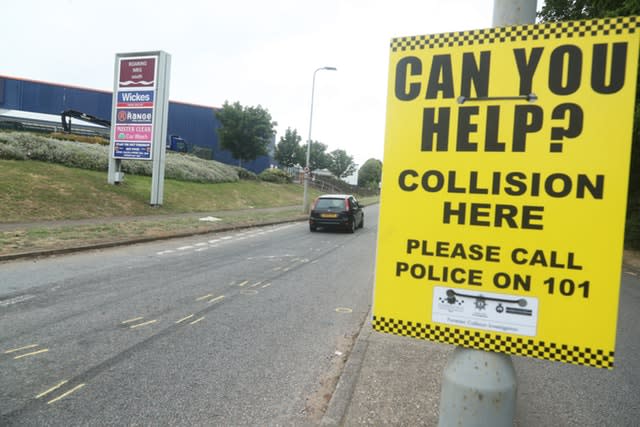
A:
<point x="135" y="116"/>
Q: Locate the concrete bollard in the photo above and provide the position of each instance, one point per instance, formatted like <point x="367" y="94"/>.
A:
<point x="478" y="389"/>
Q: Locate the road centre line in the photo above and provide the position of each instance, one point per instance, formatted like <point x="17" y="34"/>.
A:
<point x="79" y="386"/>
<point x="33" y="353"/>
<point x="16" y="300"/>
<point x="202" y="249"/>
<point x="200" y="244"/>
<point x="243" y="283"/>
<point x="26" y="347"/>
<point x="184" y="248"/>
<point x="55" y="387"/>
<point x="256" y="284"/>
<point x="185" y="318"/>
<point x="135" y="319"/>
<point x="143" y="324"/>
<point x="266" y="286"/>
<point x="204" y="297"/>
<point x="196" y="321"/>
<point x="216" y="299"/>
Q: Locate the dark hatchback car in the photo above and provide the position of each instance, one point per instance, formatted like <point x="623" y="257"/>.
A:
<point x="336" y="210"/>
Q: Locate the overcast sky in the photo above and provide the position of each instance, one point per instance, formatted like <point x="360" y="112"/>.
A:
<point x="252" y="51"/>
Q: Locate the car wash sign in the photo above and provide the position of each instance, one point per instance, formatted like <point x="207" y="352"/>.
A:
<point x="505" y="181"/>
<point x="136" y="82"/>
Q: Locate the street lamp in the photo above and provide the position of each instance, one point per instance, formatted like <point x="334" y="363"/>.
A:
<point x="306" y="169"/>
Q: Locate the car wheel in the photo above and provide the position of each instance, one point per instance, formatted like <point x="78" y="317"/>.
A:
<point x="312" y="228"/>
<point x="361" y="222"/>
<point x="352" y="226"/>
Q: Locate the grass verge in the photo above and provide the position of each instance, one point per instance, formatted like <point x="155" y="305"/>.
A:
<point x="47" y="196"/>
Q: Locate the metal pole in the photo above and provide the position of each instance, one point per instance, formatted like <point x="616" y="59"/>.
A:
<point x="479" y="388"/>
<point x="514" y="12"/>
<point x="306" y="169"/>
<point x="160" y="128"/>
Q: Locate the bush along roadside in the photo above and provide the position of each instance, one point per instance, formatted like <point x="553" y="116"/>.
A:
<point x="92" y="156"/>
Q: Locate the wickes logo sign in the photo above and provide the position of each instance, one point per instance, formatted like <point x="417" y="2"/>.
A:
<point x="135" y="98"/>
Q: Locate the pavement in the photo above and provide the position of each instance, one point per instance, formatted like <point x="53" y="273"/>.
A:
<point x="387" y="380"/>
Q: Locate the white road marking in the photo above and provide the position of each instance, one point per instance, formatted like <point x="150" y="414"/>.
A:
<point x="16" y="300"/>
<point x="185" y="318"/>
<point x="143" y="324"/>
<point x="79" y="386"/>
<point x="55" y="387"/>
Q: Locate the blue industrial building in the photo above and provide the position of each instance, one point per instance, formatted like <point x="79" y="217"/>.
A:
<point x="195" y="124"/>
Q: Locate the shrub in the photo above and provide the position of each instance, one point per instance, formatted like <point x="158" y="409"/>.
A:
<point x="245" y="174"/>
<point x="275" y="175"/>
<point x="79" y="138"/>
<point x="23" y="146"/>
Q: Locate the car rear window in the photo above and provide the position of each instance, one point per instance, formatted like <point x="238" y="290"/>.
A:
<point x="330" y="204"/>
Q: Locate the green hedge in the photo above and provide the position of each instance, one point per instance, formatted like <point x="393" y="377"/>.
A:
<point x="27" y="146"/>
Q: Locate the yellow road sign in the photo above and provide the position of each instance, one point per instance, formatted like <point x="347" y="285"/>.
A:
<point x="505" y="180"/>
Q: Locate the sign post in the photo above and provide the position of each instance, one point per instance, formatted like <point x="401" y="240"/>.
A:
<point x="139" y="115"/>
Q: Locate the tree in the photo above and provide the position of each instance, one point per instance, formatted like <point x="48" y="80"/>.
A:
<point x="318" y="158"/>
<point x="564" y="10"/>
<point x="370" y="174"/>
<point x="245" y="131"/>
<point x="288" y="151"/>
<point x="341" y="164"/>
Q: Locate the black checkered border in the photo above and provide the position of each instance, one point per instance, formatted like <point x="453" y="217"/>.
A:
<point x="546" y="31"/>
<point x="497" y="343"/>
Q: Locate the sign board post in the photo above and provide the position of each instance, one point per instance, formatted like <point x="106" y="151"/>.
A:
<point x="503" y="202"/>
<point x="139" y="115"/>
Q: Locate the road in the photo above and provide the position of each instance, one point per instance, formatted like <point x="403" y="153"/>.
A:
<point x="250" y="327"/>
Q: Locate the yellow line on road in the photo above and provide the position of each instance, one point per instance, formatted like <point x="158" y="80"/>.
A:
<point x="204" y="297"/>
<point x="21" y="348"/>
<point x="132" y="320"/>
<point x="216" y="299"/>
<point x="143" y="324"/>
<point x="44" y="350"/>
<point x="243" y="283"/>
<point x="185" y="318"/>
<point x="196" y="321"/>
<point x="55" y="387"/>
<point x="79" y="386"/>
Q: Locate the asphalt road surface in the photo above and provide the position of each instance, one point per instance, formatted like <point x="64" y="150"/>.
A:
<point x="249" y="327"/>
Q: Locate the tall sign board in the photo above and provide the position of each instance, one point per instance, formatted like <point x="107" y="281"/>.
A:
<point x="139" y="114"/>
<point x="504" y="193"/>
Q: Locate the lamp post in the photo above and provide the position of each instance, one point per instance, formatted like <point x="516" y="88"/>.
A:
<point x="307" y="171"/>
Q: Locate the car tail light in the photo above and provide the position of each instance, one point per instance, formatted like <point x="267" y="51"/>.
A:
<point x="346" y="204"/>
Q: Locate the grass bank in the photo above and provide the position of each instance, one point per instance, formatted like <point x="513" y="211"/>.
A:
<point x="39" y="191"/>
<point x="50" y="197"/>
